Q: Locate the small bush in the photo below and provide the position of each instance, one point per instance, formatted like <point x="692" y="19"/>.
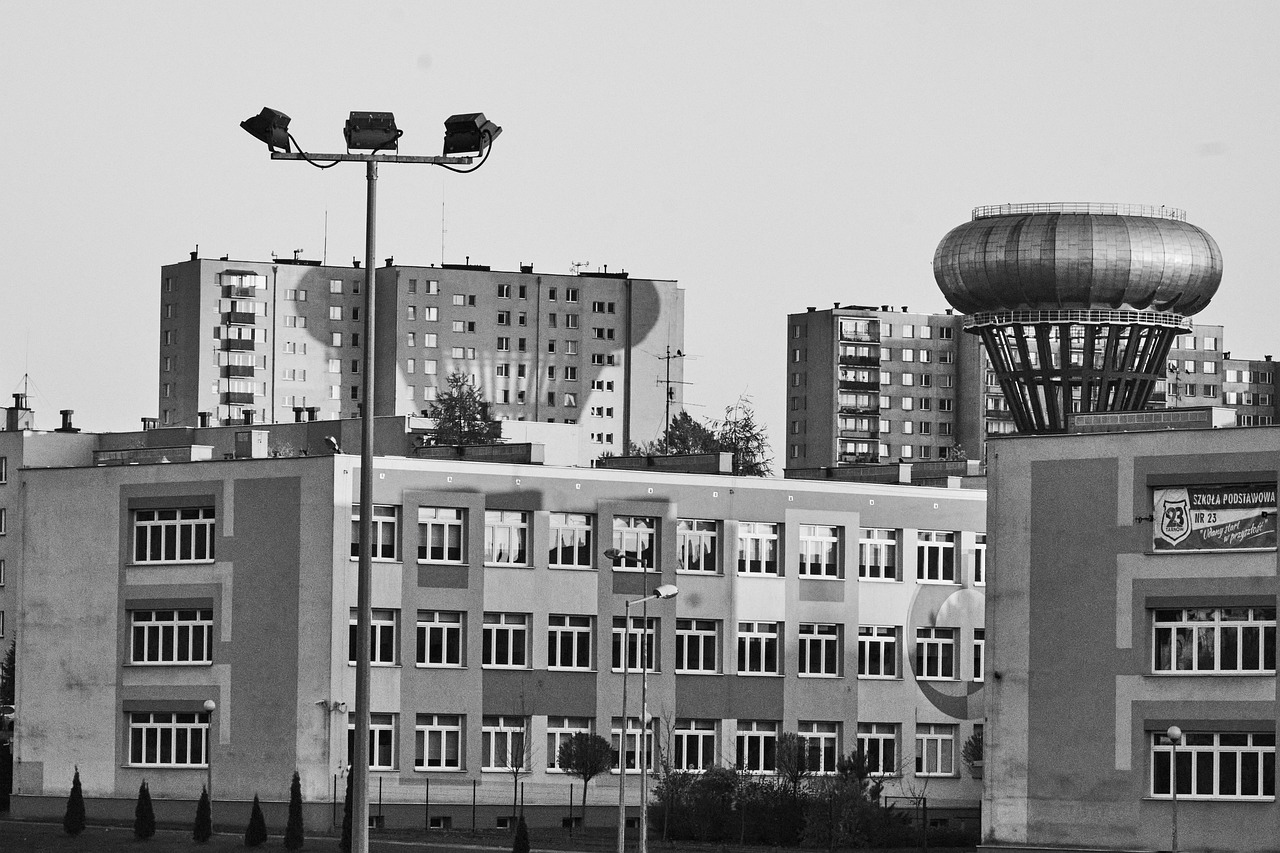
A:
<point x="256" y="832"/>
<point x="203" y="828"/>
<point x="293" y="835"/>
<point x="144" y="816"/>
<point x="73" y="820"/>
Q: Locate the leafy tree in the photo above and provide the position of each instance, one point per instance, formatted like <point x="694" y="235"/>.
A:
<point x="7" y="670"/>
<point x="255" y="834"/>
<point x="462" y="415"/>
<point x="586" y="756"/>
<point x="144" y="815"/>
<point x="344" y="842"/>
<point x="521" y="842"/>
<point x="293" y="834"/>
<point x="73" y="820"/>
<point x="684" y="436"/>
<point x="740" y="435"/>
<point x="203" y="829"/>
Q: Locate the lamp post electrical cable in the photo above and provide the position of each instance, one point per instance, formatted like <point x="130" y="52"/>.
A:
<point x="371" y="132"/>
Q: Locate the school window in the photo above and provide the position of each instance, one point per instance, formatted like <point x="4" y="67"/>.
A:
<point x="757" y="746"/>
<point x="181" y="535"/>
<point x="980" y="559"/>
<point x="627" y="745"/>
<point x="506" y="640"/>
<point x="382" y="637"/>
<point x="935" y="750"/>
<point x="696" y="542"/>
<point x="1197" y="640"/>
<point x="979" y="653"/>
<point x="640" y="641"/>
<point x="569" y="641"/>
<point x="168" y="739"/>
<point x="437" y="742"/>
<point x="819" y="649"/>
<point x="936" y="556"/>
<point x="506" y="534"/>
<point x="570" y="540"/>
<point x="382" y="740"/>
<point x="697" y="645"/>
<point x="820" y="550"/>
<point x="936" y="653"/>
<point x="385" y="524"/>
<point x="758" y="648"/>
<point x="878" y="743"/>
<point x="758" y="548"/>
<point x="878" y="651"/>
<point x="439" y="638"/>
<point x="694" y="745"/>
<point x="878" y="554"/>
<point x="634" y="536"/>
<point x="1215" y="765"/>
<point x="441" y="534"/>
<point x="170" y="636"/>
<point x="559" y="731"/>
<point x="821" y="742"/>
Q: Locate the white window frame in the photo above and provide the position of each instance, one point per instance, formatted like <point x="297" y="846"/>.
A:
<point x="561" y="729"/>
<point x="1199" y="635"/>
<point x="758" y="545"/>
<point x="501" y="738"/>
<point x="442" y="534"/>
<point x="168" y="739"/>
<point x="935" y="749"/>
<point x="980" y="559"/>
<point x="169" y="636"/>
<point x="505" y="641"/>
<point x="757" y="746"/>
<point x="636" y="537"/>
<point x="693" y="744"/>
<point x="878" y="743"/>
<point x="631" y="751"/>
<point x="440" y="639"/>
<point x="640" y="634"/>
<point x="821" y="740"/>
<point x="170" y="534"/>
<point x="570" y="641"/>
<point x="819" y="655"/>
<point x="382" y="740"/>
<point x="820" y="551"/>
<point x="438" y="743"/>
<point x="759" y="648"/>
<point x="384" y="637"/>
<point x="571" y="540"/>
<point x="1202" y="754"/>
<point x="697" y="646"/>
<point x="979" y="654"/>
<point x="878" y="554"/>
<point x="936" y="653"/>
<point x="935" y="556"/>
<point x="697" y="545"/>
<point x="506" y="537"/>
<point x="878" y="651"/>
<point x="386" y="532"/>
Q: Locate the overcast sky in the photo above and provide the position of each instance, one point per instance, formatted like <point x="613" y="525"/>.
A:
<point x="767" y="155"/>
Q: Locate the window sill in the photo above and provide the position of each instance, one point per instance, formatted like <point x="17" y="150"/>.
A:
<point x="825" y="675"/>
<point x="504" y="666"/>
<point x="1262" y="673"/>
<point x="887" y="678"/>
<point x="804" y="576"/>
<point x="158" y="563"/>
<point x="698" y="672"/>
<point x="937" y="775"/>
<point x="571" y="568"/>
<point x="1174" y="553"/>
<point x="878" y="580"/>
<point x="153" y="664"/>
<point x="937" y="582"/>
<point x="377" y="665"/>
<point x="761" y="674"/>
<point x="439" y="666"/>
<point x="391" y="560"/>
<point x="200" y="767"/>
<point x="571" y="669"/>
<point x="764" y="575"/>
<point x="637" y="570"/>
<point x="710" y="573"/>
<point x="936" y="678"/>
<point x="506" y="565"/>
<point x="442" y="562"/>
<point x="417" y="769"/>
<point x="637" y="671"/>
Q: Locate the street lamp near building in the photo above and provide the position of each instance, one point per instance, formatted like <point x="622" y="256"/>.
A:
<point x="1174" y="736"/>
<point x="209" y="707"/>
<point x="664" y="591"/>
<point x="374" y="134"/>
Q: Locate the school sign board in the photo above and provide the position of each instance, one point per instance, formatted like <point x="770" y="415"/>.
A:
<point x="1215" y="518"/>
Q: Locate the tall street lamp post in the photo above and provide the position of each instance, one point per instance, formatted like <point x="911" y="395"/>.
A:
<point x="664" y="591"/>
<point x="375" y="134"/>
<point x="1174" y="735"/>
<point x="209" y="707"/>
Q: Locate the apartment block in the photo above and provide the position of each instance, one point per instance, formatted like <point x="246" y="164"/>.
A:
<point x="270" y="342"/>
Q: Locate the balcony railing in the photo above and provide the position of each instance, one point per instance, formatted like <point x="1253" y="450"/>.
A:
<point x="1099" y="208"/>
<point x="860" y="360"/>
<point x="235" y="370"/>
<point x="237" y="345"/>
<point x="239" y="318"/>
<point x="236" y="398"/>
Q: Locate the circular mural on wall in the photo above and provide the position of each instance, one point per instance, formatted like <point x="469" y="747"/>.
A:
<point x="942" y="606"/>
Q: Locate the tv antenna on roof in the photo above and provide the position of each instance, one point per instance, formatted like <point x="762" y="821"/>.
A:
<point x="577" y="265"/>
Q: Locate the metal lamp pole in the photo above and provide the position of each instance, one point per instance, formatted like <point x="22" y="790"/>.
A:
<point x="209" y="706"/>
<point x="1174" y="734"/>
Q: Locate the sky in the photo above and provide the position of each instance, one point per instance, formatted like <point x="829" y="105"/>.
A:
<point x="769" y="156"/>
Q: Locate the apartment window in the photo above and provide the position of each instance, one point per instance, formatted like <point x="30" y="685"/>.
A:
<point x="441" y="534"/>
<point x="878" y="651"/>
<point x="459" y="299"/>
<point x="520" y="345"/>
<point x="819" y="649"/>
<point x="335" y="312"/>
<point x="758" y="648"/>
<point x="980" y="559"/>
<point x="878" y="743"/>
<point x="551" y="375"/>
<point x="758" y="548"/>
<point x="168" y="739"/>
<point x="820" y="550"/>
<point x="410" y="339"/>
<point x="569" y="642"/>
<point x="634" y="536"/>
<point x="697" y="645"/>
<point x="382" y="741"/>
<point x="430" y="313"/>
<point x="628" y="747"/>
<point x="757" y="746"/>
<point x="506" y="640"/>
<point x="561" y="730"/>
<point x="570" y="540"/>
<point x="936" y="653"/>
<point x="571" y="399"/>
<point x="335" y="365"/>
<point x="169" y="636"/>
<point x="980" y="653"/>
<point x="1216" y="766"/>
<point x="459" y="326"/>
<point x="504" y="318"/>
<point x="386" y="541"/>
<point x="878" y="554"/>
<point x="936" y="556"/>
<point x="180" y="535"/>
<point x="430" y="287"/>
<point x="1196" y="640"/>
<point x="602" y="334"/>
<point x="437" y="742"/>
<point x="696" y="541"/>
<point x="935" y="750"/>
<point x="382" y="637"/>
<point x="506" y="534"/>
<point x="571" y="373"/>
<point x="1" y="572"/>
<point x="571" y="294"/>
<point x="693" y="745"/>
<point x="571" y="321"/>
<point x="642" y="639"/>
<point x="439" y="638"/>
<point x="821" y="745"/>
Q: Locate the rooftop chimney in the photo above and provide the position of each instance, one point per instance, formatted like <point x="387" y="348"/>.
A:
<point x="66" y="421"/>
<point x="313" y="413"/>
<point x="355" y="262"/>
<point x="526" y="268"/>
<point x="149" y="423"/>
<point x="297" y="414"/>
<point x="204" y="418"/>
<point x="248" y="416"/>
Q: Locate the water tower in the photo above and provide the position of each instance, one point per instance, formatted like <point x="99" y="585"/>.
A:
<point x="1077" y="305"/>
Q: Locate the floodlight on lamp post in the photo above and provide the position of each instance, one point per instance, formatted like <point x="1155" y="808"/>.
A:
<point x="664" y="591"/>
<point x="209" y="707"/>
<point x="371" y="133"/>
<point x="1174" y="736"/>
